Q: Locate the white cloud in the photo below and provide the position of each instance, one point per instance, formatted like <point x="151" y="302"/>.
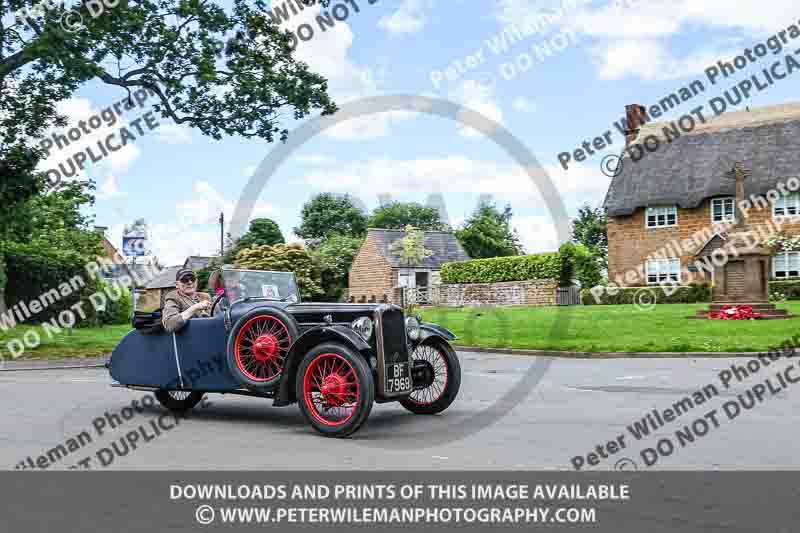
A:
<point x="316" y="159"/>
<point x="537" y="233"/>
<point x="174" y="134"/>
<point x="328" y="54"/>
<point x="635" y="38"/>
<point x="108" y="189"/>
<point x="195" y="229"/>
<point x="456" y="174"/>
<point x="410" y="18"/>
<point x="481" y="99"/>
<point x="523" y="104"/>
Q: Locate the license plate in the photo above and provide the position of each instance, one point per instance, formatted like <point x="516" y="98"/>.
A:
<point x="398" y="378"/>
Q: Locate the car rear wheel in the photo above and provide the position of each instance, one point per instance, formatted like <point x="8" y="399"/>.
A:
<point x="437" y="379"/>
<point x="258" y="346"/>
<point x="178" y="401"/>
<point x="335" y="390"/>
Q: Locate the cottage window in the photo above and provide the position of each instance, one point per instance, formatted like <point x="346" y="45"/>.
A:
<point x="661" y="270"/>
<point x="787" y="206"/>
<point x="661" y="217"/>
<point x="786" y="265"/>
<point x="723" y="209"/>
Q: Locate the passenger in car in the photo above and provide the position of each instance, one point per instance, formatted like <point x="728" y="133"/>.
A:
<point x="185" y="302"/>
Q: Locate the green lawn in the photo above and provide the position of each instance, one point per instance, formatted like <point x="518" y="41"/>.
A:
<point x="80" y="342"/>
<point x="606" y="328"/>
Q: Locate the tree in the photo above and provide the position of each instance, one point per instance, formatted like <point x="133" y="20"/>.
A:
<point x="326" y="214"/>
<point x="284" y="258"/>
<point x="222" y="72"/>
<point x="589" y="229"/>
<point x="411" y="248"/>
<point x="263" y="231"/>
<point x="49" y="241"/>
<point x="398" y="215"/>
<point x="488" y="233"/>
<point x="334" y="256"/>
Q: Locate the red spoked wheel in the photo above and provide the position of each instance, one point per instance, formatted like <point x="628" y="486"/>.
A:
<point x="261" y="347"/>
<point x="437" y="379"/>
<point x="331" y="389"/>
<point x="335" y="389"/>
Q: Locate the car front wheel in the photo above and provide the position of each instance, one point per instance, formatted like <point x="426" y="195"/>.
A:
<point x="437" y="379"/>
<point x="335" y="390"/>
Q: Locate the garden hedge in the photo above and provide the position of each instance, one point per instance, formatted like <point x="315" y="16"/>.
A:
<point x="569" y="263"/>
<point x="686" y="294"/>
<point x="497" y="269"/>
<point x="788" y="289"/>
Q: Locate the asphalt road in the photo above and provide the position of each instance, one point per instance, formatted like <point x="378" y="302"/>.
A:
<point x="577" y="405"/>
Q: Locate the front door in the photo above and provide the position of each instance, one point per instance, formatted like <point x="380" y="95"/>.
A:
<point x="422" y="279"/>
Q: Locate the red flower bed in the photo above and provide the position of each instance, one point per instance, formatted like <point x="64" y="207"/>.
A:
<point x="734" y="312"/>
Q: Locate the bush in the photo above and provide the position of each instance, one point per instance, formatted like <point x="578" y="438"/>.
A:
<point x="789" y="290"/>
<point x="685" y="294"/>
<point x="587" y="267"/>
<point x="119" y="310"/>
<point x="285" y="258"/>
<point x="55" y="279"/>
<point x="497" y="269"/>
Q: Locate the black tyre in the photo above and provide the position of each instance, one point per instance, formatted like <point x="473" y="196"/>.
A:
<point x="442" y="375"/>
<point x="178" y="401"/>
<point x="258" y="345"/>
<point x="335" y="389"/>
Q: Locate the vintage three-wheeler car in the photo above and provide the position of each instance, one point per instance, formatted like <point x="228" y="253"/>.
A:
<point x="335" y="359"/>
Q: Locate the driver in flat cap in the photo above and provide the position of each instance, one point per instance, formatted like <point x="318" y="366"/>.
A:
<point x="185" y="302"/>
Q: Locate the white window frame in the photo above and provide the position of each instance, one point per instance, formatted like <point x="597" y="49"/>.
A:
<point x="661" y="212"/>
<point x="788" y="205"/>
<point x="788" y="259"/>
<point x="663" y="270"/>
<point x="725" y="216"/>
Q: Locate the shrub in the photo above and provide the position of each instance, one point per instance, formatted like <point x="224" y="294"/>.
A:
<point x="587" y="267"/>
<point x="497" y="269"/>
<point x="285" y="258"/>
<point x="790" y="290"/>
<point x="119" y="305"/>
<point x="686" y="294"/>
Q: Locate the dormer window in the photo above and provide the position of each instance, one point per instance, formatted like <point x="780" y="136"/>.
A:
<point x="723" y="209"/>
<point x="661" y="216"/>
<point x="787" y="206"/>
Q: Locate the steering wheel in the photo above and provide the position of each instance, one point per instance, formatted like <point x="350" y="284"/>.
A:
<point x="215" y="304"/>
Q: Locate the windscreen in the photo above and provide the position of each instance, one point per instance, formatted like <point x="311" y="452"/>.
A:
<point x="240" y="284"/>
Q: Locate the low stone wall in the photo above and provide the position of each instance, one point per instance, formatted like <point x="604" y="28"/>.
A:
<point x="537" y="292"/>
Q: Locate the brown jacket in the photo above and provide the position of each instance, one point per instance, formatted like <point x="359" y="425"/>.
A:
<point x="175" y="304"/>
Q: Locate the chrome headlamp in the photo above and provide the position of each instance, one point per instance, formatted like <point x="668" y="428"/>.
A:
<point x="364" y="327"/>
<point x="412" y="327"/>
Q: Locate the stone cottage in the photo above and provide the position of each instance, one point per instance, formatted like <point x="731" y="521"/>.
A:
<point x="679" y="199"/>
<point x="377" y="271"/>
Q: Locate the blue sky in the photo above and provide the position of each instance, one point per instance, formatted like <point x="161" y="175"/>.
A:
<point x="627" y="52"/>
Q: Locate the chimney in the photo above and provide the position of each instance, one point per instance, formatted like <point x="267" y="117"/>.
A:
<point x="636" y="116"/>
<point x="101" y="229"/>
